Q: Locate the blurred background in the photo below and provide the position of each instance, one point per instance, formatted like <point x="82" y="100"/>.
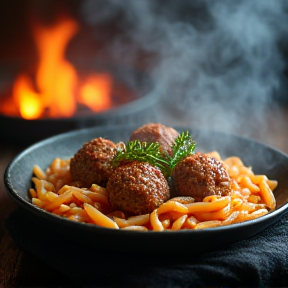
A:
<point x="211" y="64"/>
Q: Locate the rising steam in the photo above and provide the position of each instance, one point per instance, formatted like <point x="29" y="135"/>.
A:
<point x="217" y="63"/>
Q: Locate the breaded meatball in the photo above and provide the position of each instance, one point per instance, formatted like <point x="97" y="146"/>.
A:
<point x="137" y="188"/>
<point x="92" y="163"/>
<point x="199" y="176"/>
<point x="154" y="132"/>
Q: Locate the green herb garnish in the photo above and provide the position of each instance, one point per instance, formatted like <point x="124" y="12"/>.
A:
<point x="151" y="152"/>
<point x="142" y="151"/>
<point x="184" y="146"/>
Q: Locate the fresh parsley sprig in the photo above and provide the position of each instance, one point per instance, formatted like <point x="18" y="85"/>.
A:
<point x="143" y="151"/>
<point x="151" y="152"/>
<point x="184" y="146"/>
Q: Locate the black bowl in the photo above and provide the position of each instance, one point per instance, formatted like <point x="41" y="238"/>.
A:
<point x="263" y="159"/>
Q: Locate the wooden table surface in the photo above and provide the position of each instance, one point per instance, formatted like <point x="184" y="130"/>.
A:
<point x="18" y="268"/>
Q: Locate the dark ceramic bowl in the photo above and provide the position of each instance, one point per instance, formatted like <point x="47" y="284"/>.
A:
<point x="263" y="159"/>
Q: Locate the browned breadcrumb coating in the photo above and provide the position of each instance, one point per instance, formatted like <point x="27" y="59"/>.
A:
<point x="137" y="188"/>
<point x="199" y="176"/>
<point x="92" y="163"/>
<point x="155" y="132"/>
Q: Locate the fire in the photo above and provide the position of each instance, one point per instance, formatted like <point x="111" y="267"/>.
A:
<point x="29" y="103"/>
<point x="96" y="91"/>
<point x="56" y="89"/>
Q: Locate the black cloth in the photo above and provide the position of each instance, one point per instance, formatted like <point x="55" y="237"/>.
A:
<point x="259" y="261"/>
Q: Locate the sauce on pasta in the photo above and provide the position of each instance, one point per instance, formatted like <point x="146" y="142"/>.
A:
<point x="251" y="197"/>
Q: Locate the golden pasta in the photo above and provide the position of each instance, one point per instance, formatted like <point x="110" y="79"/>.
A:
<point x="99" y="218"/>
<point x="132" y="221"/>
<point x="251" y="197"/>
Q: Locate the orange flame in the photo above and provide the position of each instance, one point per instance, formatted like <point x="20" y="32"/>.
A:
<point x="56" y="78"/>
<point x="56" y="82"/>
<point x="29" y="103"/>
<point x="96" y="91"/>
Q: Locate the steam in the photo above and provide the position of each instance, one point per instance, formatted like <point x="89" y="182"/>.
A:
<point x="216" y="63"/>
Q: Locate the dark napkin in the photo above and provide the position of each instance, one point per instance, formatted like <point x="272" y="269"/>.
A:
<point x="259" y="261"/>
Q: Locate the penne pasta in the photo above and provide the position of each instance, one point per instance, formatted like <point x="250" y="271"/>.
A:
<point x="179" y="222"/>
<point x="99" y="218"/>
<point x="251" y="197"/>
<point x="206" y="206"/>
<point x="132" y="221"/>
<point x="155" y="222"/>
<point x="267" y="195"/>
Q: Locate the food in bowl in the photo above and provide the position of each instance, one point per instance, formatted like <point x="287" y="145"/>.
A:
<point x="152" y="187"/>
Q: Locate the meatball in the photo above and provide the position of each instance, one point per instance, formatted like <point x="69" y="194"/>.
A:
<point x="137" y="188"/>
<point x="154" y="132"/>
<point x="199" y="176"/>
<point x="92" y="163"/>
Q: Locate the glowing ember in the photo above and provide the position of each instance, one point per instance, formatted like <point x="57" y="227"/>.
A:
<point x="54" y="90"/>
